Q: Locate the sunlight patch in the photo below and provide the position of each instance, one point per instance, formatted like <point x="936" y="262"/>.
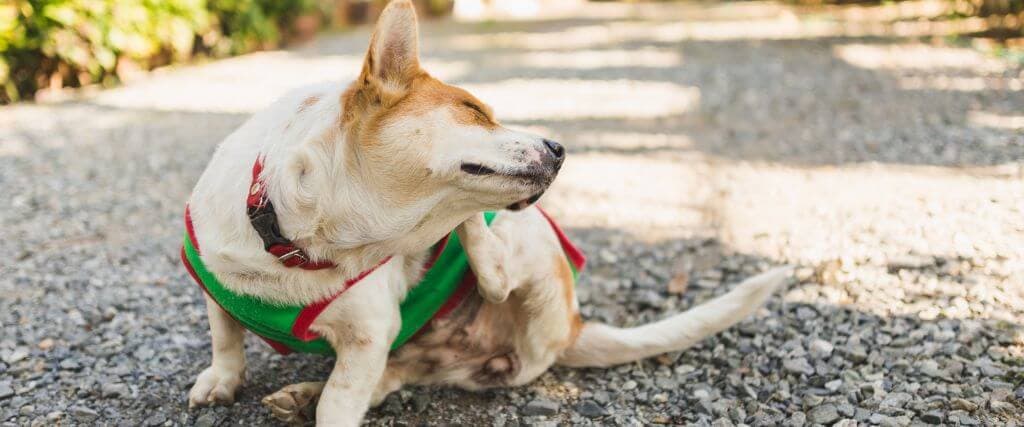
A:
<point x="593" y="59"/>
<point x="993" y="120"/>
<point x="916" y="56"/>
<point x="629" y="141"/>
<point x="545" y="99"/>
<point x="246" y="83"/>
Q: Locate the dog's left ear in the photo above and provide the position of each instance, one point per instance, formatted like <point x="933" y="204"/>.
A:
<point x="392" y="61"/>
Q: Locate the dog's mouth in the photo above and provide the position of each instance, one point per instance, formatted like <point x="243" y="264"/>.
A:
<point x="525" y="203"/>
<point x="532" y="177"/>
<point x="477" y="169"/>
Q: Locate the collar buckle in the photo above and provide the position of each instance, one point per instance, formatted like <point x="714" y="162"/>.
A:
<point x="294" y="253"/>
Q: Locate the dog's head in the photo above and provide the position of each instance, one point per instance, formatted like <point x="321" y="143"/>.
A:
<point x="429" y="149"/>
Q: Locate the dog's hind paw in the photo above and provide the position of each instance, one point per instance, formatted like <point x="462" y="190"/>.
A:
<point x="294" y="403"/>
<point x="215" y="387"/>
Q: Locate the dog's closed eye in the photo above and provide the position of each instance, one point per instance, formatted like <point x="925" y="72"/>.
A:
<point x="476" y="108"/>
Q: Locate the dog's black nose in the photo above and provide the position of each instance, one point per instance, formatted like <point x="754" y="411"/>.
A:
<point x="555" y="148"/>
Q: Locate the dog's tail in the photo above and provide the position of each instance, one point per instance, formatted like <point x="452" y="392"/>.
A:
<point x="602" y="345"/>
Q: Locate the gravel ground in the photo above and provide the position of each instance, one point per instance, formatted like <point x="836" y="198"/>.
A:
<point x="707" y="143"/>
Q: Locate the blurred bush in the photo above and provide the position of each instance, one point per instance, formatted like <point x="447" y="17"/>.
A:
<point x="56" y="43"/>
<point x="987" y="8"/>
<point x="60" y="43"/>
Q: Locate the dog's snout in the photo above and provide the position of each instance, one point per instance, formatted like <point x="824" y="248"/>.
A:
<point x="555" y="148"/>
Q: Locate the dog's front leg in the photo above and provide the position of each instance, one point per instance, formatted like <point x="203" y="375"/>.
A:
<point x="487" y="255"/>
<point x="361" y="337"/>
<point x="217" y="383"/>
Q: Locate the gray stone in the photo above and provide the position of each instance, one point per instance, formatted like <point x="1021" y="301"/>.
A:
<point x="798" y="366"/>
<point x="931" y="369"/>
<point x="820" y="349"/>
<point x="16" y="355"/>
<point x="590" y="409"/>
<point x="823" y="414"/>
<point x="156" y="420"/>
<point x="6" y="390"/>
<point x="933" y="417"/>
<point x="896" y="400"/>
<point x="833" y="385"/>
<point x="83" y="413"/>
<point x="855" y="353"/>
<point x="115" y="390"/>
<point x="962" y="418"/>
<point x="540" y="407"/>
<point x="420" y="402"/>
<point x="206" y="420"/>
<point x="798" y="419"/>
<point x="70" y="365"/>
<point x="1000" y="406"/>
<point x="963" y="404"/>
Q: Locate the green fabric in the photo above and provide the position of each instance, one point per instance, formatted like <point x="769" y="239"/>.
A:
<point x="274" y="322"/>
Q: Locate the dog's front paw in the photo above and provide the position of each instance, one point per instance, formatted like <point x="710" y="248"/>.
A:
<point x="295" y="403"/>
<point x="215" y="387"/>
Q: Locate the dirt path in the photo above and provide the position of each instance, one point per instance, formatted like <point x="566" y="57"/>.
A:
<point x="706" y="143"/>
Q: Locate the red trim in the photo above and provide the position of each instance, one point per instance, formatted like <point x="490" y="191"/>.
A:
<point x="278" y="347"/>
<point x="439" y="247"/>
<point x="191" y="271"/>
<point x="309" y="313"/>
<point x="256" y="188"/>
<point x="576" y="256"/>
<point x="297" y="261"/>
<point x="190" y="230"/>
<point x="468" y="285"/>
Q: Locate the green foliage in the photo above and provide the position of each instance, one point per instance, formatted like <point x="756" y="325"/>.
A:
<point x="76" y="42"/>
<point x="252" y="24"/>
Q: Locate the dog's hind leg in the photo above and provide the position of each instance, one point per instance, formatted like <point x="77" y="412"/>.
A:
<point x="487" y="257"/>
<point x="217" y="384"/>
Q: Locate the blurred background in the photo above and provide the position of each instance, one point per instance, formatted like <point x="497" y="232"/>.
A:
<point x="46" y="45"/>
<point x="878" y="146"/>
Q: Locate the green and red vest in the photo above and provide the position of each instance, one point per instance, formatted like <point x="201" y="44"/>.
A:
<point x="446" y="283"/>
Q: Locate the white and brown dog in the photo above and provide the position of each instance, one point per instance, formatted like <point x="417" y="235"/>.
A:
<point x="364" y="181"/>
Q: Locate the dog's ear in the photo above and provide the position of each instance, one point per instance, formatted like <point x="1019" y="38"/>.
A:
<point x="392" y="61"/>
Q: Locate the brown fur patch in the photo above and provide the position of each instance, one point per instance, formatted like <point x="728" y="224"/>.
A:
<point x="424" y="93"/>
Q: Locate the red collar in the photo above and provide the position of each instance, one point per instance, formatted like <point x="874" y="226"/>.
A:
<point x="264" y="220"/>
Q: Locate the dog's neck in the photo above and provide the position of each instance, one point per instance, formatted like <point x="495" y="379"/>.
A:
<point x="328" y="211"/>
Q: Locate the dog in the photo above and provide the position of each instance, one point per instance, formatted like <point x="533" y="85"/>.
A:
<point x="351" y="195"/>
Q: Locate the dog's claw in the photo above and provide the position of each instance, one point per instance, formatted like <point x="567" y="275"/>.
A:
<point x="214" y="387"/>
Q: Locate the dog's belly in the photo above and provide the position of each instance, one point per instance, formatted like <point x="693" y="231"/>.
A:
<point x="474" y="347"/>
